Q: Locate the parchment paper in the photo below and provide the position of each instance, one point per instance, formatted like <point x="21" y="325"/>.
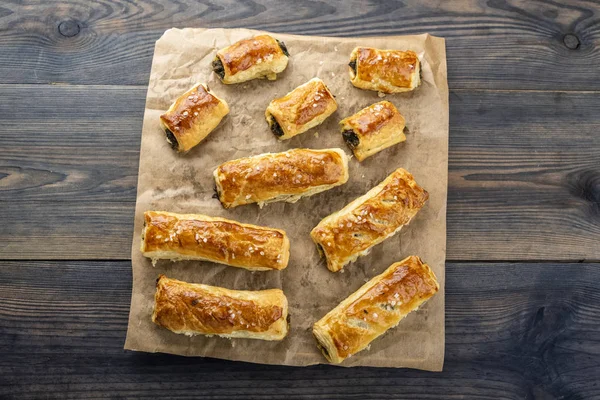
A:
<point x="184" y="183"/>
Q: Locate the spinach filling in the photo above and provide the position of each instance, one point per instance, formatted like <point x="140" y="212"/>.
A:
<point x="283" y="48"/>
<point x="217" y="66"/>
<point x="320" y="249"/>
<point x="275" y="127"/>
<point x="350" y="138"/>
<point x="321" y="252"/>
<point x="171" y="139"/>
<point x="323" y="350"/>
<point x="352" y="64"/>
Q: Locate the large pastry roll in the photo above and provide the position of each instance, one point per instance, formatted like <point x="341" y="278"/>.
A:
<point x="387" y="71"/>
<point x="377" y="306"/>
<point x="301" y="109"/>
<point x="351" y="232"/>
<point x="195" y="309"/>
<point x="199" y="237"/>
<point x="373" y="129"/>
<point x="259" y="57"/>
<point x="192" y="117"/>
<point x="284" y="176"/>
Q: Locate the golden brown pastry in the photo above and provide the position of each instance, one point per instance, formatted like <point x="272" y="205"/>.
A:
<point x="301" y="109"/>
<point x="198" y="237"/>
<point x="192" y="117"/>
<point x="286" y="176"/>
<point x="373" y="129"/>
<point x="351" y="232"/>
<point x="259" y="57"/>
<point x="195" y="309"/>
<point x="387" y="71"/>
<point x="377" y="306"/>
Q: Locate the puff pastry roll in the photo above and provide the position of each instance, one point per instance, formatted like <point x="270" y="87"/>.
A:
<point x="286" y="176"/>
<point x="258" y="57"/>
<point x="301" y="109"/>
<point x="377" y="306"/>
<point x="351" y="232"/>
<point x="199" y="237"/>
<point x="373" y="129"/>
<point x="195" y="309"/>
<point x="192" y="117"/>
<point x="387" y="71"/>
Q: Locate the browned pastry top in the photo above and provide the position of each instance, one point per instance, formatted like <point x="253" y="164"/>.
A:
<point x="181" y="306"/>
<point x="244" y="54"/>
<point x="396" y="293"/>
<point x="373" y="219"/>
<point x="269" y="175"/>
<point x="220" y="240"/>
<point x="393" y="66"/>
<point x="303" y="104"/>
<point x="188" y="109"/>
<point x="369" y="120"/>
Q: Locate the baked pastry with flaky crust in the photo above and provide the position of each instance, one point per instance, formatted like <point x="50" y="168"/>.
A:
<point x="286" y="176"/>
<point x="301" y="109"/>
<point x="195" y="309"/>
<point x="387" y="71"/>
<point x="199" y="237"/>
<point x="262" y="56"/>
<point x="373" y="129"/>
<point x="377" y="306"/>
<point x="351" y="232"/>
<point x="194" y="115"/>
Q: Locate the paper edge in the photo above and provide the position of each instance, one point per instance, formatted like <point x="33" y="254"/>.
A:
<point x="425" y="38"/>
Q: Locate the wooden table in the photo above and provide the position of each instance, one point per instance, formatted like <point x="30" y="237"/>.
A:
<point x="523" y="271"/>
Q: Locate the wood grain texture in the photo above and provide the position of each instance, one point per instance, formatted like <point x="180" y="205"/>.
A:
<point x="64" y="143"/>
<point x="494" y="44"/>
<point x="513" y="331"/>
<point x="524" y="173"/>
<point x="524" y="176"/>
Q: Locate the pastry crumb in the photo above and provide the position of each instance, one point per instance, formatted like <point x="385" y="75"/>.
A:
<point x="316" y="134"/>
<point x="381" y="94"/>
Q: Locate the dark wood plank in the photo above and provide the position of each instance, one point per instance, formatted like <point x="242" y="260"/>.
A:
<point x="513" y="331"/>
<point x="524" y="173"/>
<point x="64" y="143"/>
<point x="68" y="170"/>
<point x="66" y="230"/>
<point x="498" y="44"/>
<point x="524" y="176"/>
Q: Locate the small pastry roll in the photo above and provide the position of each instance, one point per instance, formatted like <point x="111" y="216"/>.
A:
<point x="192" y="117"/>
<point x="351" y="232"/>
<point x="377" y="306"/>
<point x="301" y="109"/>
<point x="198" y="237"/>
<point x="195" y="309"/>
<point x="373" y="129"/>
<point x="258" y="57"/>
<point x="387" y="71"/>
<point x="286" y="176"/>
